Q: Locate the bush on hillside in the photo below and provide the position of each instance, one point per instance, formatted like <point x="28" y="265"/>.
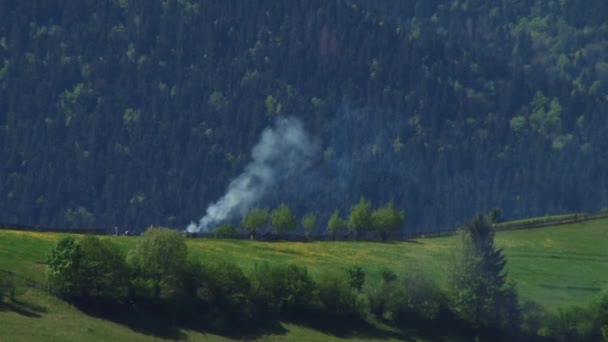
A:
<point x="574" y="323"/>
<point x="380" y="297"/>
<point x="64" y="268"/>
<point x="158" y="262"/>
<point x="103" y="270"/>
<point x="336" y="295"/>
<point x="418" y="297"/>
<point x="225" y="296"/>
<point x="533" y="316"/>
<point x="87" y="269"/>
<point x="282" y="289"/>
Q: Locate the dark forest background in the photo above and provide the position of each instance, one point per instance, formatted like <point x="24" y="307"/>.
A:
<point x="140" y="112"/>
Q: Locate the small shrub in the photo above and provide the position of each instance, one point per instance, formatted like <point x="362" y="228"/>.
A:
<point x="282" y="289"/>
<point x="533" y="315"/>
<point x="387" y="275"/>
<point x="356" y="277"/>
<point x="380" y="298"/>
<point x="574" y="323"/>
<point x="336" y="296"/>
<point x="419" y="297"/>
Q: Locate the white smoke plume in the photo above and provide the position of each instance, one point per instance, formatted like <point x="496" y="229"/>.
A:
<point x="282" y="152"/>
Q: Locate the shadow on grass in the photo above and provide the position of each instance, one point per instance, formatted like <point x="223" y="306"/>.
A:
<point x="344" y="327"/>
<point x="148" y="322"/>
<point x="23" y="308"/>
<point x="162" y="322"/>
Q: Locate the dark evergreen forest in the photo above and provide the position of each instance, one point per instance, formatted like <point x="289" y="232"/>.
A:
<point x="139" y="112"/>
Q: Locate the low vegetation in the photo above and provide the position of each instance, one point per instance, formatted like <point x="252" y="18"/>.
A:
<point x="404" y="288"/>
<point x="362" y="219"/>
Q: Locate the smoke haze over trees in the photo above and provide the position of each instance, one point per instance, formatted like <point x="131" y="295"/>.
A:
<point x="134" y="113"/>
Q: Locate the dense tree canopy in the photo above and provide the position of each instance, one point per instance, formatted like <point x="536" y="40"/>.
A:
<point x="134" y="113"/>
<point x="283" y="220"/>
<point x="254" y="220"/>
<point x="159" y="260"/>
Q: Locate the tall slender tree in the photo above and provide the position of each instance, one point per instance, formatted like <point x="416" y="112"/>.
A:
<point x="360" y="217"/>
<point x="283" y="220"/>
<point x="480" y="291"/>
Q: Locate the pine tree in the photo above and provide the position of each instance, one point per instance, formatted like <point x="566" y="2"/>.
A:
<point x="481" y="293"/>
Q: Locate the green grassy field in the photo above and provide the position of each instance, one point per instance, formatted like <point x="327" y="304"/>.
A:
<point x="554" y="266"/>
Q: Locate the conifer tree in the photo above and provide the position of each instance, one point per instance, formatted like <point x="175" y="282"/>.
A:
<point x="481" y="293"/>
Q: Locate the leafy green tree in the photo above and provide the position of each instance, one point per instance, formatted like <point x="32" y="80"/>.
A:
<point x="480" y="292"/>
<point x="226" y="293"/>
<point x="256" y="219"/>
<point x="336" y="296"/>
<point x="282" y="289"/>
<point x="159" y="258"/>
<point x="335" y="224"/>
<point x="309" y="222"/>
<point x="283" y="220"/>
<point x="103" y="270"/>
<point x="64" y="268"/>
<point x="386" y="220"/>
<point x="360" y="217"/>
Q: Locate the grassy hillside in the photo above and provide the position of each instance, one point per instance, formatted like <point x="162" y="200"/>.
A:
<point x="40" y="317"/>
<point x="559" y="265"/>
<point x="555" y="266"/>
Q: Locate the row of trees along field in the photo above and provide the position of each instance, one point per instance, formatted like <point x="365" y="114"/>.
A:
<point x="158" y="275"/>
<point x="133" y="113"/>
<point x="385" y="221"/>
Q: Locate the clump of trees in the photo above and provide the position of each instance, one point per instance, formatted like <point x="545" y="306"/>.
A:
<point x="159" y="274"/>
<point x="87" y="269"/>
<point x="361" y="219"/>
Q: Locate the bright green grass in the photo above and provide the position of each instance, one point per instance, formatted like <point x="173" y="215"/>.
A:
<point x="560" y="265"/>
<point x="555" y="266"/>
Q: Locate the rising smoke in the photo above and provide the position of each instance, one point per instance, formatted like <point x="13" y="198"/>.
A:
<point x="283" y="152"/>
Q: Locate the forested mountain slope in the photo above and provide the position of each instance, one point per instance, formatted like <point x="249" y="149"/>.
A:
<point x="137" y="112"/>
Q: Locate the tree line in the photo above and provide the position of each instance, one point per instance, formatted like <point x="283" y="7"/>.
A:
<point x="158" y="274"/>
<point x="362" y="218"/>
